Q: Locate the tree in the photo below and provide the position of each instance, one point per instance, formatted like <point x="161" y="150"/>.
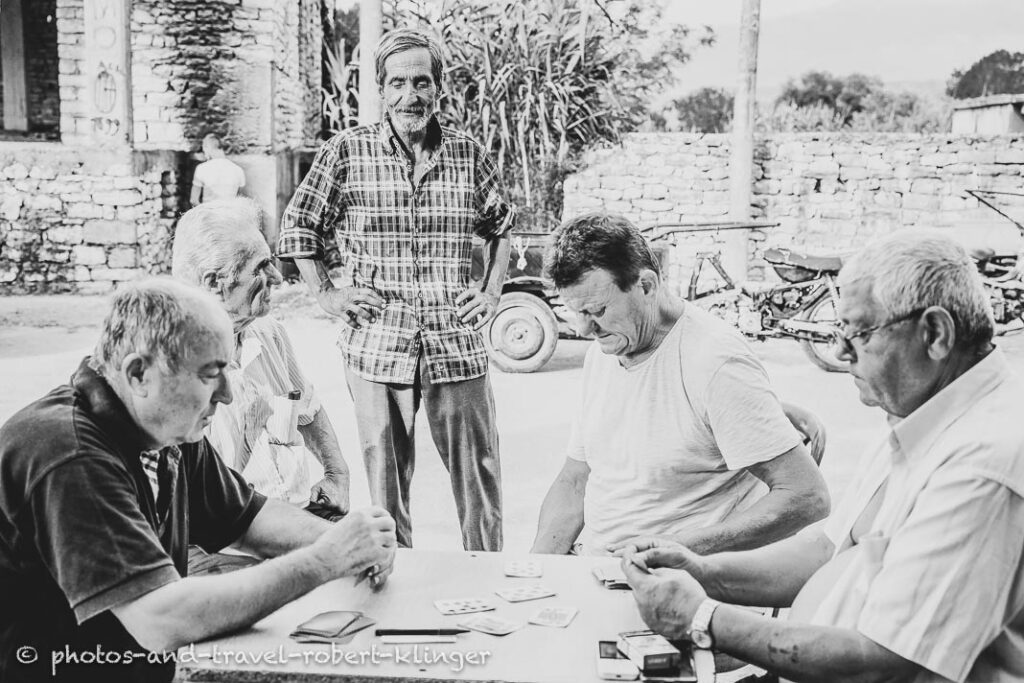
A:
<point x="708" y="110"/>
<point x="994" y="74"/>
<point x="845" y="96"/>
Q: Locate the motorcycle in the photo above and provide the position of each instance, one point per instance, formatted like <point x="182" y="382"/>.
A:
<point x="999" y="271"/>
<point x="802" y="307"/>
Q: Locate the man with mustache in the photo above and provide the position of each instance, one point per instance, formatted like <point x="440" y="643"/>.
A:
<point x="218" y="246"/>
<point x="404" y="199"/>
<point x="106" y="480"/>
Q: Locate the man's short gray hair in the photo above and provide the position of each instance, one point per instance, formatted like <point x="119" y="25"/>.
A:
<point x="402" y="39"/>
<point x="915" y="269"/>
<point x="217" y="236"/>
<point x="158" y="318"/>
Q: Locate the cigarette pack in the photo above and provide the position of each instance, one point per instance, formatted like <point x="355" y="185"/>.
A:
<point x="650" y="652"/>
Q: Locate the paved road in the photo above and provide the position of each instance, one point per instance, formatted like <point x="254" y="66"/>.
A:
<point x="533" y="414"/>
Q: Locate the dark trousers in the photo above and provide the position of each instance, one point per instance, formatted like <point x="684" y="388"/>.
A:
<point x="462" y="424"/>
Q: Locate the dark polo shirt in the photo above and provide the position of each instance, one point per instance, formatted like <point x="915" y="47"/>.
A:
<point x="79" y="532"/>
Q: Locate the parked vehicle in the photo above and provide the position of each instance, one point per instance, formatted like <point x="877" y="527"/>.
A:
<point x="999" y="270"/>
<point x="801" y="307"/>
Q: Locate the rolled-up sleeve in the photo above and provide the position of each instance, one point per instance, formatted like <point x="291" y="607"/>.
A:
<point x="949" y="580"/>
<point x="495" y="214"/>
<point x="314" y="208"/>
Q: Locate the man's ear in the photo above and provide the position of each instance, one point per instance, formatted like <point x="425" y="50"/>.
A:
<point x="211" y="281"/>
<point x="649" y="281"/>
<point x="940" y="331"/>
<point x="136" y="371"/>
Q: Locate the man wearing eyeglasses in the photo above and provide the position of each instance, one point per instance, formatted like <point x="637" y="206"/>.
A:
<point x="918" y="574"/>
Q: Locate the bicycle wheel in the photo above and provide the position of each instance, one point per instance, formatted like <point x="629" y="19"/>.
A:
<point x="823" y="354"/>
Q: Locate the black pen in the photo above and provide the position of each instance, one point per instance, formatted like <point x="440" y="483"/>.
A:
<point x="420" y="631"/>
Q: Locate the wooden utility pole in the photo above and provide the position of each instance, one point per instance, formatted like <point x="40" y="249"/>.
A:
<point x="371" y="21"/>
<point x="741" y="160"/>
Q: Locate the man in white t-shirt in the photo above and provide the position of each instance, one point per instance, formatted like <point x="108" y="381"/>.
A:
<point x="678" y="432"/>
<point x="216" y="178"/>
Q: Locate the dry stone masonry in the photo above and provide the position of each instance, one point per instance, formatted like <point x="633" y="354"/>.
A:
<point x="828" y="191"/>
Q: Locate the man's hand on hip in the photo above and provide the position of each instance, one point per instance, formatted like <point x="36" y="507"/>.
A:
<point x="476" y="307"/>
<point x="357" y="306"/>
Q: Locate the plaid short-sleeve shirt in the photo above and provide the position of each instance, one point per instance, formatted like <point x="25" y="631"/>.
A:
<point x="410" y="243"/>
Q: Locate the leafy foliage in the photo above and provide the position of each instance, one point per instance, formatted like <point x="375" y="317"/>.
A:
<point x="994" y="74"/>
<point x="708" y="110"/>
<point x="845" y="96"/>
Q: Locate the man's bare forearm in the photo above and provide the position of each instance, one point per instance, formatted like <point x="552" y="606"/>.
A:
<point x="280" y="528"/>
<point x="771" y="576"/>
<point x="322" y="441"/>
<point x="561" y="516"/>
<point x="314" y="274"/>
<point x="496" y="265"/>
<point x="801" y="652"/>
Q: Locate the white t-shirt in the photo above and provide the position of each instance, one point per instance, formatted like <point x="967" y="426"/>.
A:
<point x="219" y="178"/>
<point x="667" y="439"/>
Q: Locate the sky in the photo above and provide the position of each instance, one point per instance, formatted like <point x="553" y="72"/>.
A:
<point x="900" y="41"/>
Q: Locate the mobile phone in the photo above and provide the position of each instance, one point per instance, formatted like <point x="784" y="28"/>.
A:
<point x="612" y="665"/>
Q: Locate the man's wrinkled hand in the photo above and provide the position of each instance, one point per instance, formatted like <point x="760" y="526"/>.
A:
<point x="476" y="307"/>
<point x="332" y="492"/>
<point x="667" y="598"/>
<point x="357" y="306"/>
<point x="639" y="543"/>
<point x="363" y="542"/>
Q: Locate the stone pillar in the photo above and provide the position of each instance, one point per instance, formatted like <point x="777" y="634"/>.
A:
<point x="107" y="70"/>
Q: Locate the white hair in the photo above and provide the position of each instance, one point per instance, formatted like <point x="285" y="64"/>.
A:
<point x="916" y="269"/>
<point x="218" y="236"/>
<point x="159" y="318"/>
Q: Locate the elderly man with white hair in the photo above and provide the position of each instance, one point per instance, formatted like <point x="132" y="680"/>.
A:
<point x="218" y="246"/>
<point x="919" y="573"/>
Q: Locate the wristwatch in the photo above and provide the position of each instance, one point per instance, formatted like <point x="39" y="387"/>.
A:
<point x="700" y="628"/>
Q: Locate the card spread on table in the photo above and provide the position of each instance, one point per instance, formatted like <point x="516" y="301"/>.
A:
<point x="463" y="605"/>
<point x="524" y="569"/>
<point x="524" y="593"/>
<point x="487" y="623"/>
<point x="558" y="617"/>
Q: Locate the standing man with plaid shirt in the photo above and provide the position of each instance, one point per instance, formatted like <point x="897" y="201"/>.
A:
<point x="404" y="198"/>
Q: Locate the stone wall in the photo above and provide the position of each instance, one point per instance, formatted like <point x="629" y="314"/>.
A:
<point x="230" y="67"/>
<point x="828" y="191"/>
<point x="74" y="219"/>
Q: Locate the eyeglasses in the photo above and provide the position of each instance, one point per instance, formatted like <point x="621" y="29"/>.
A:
<point x="845" y="341"/>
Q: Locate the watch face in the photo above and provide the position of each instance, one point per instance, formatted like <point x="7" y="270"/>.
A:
<point x="701" y="639"/>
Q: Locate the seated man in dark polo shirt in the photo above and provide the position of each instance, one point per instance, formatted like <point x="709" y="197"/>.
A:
<point x="105" y="481"/>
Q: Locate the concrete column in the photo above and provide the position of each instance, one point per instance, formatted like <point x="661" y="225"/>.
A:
<point x="370" y="30"/>
<point x="741" y="161"/>
<point x="108" y="71"/>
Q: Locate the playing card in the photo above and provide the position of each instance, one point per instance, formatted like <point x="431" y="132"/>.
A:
<point x="558" y="617"/>
<point x="463" y="605"/>
<point x="524" y="593"/>
<point x="523" y="569"/>
<point x="486" y="623"/>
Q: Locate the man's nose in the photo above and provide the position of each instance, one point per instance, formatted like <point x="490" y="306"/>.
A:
<point x="223" y="394"/>
<point x="584" y="324"/>
<point x="274" y="276"/>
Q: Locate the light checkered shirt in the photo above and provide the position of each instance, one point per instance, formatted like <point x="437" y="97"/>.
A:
<point x="151" y="466"/>
<point x="411" y="245"/>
